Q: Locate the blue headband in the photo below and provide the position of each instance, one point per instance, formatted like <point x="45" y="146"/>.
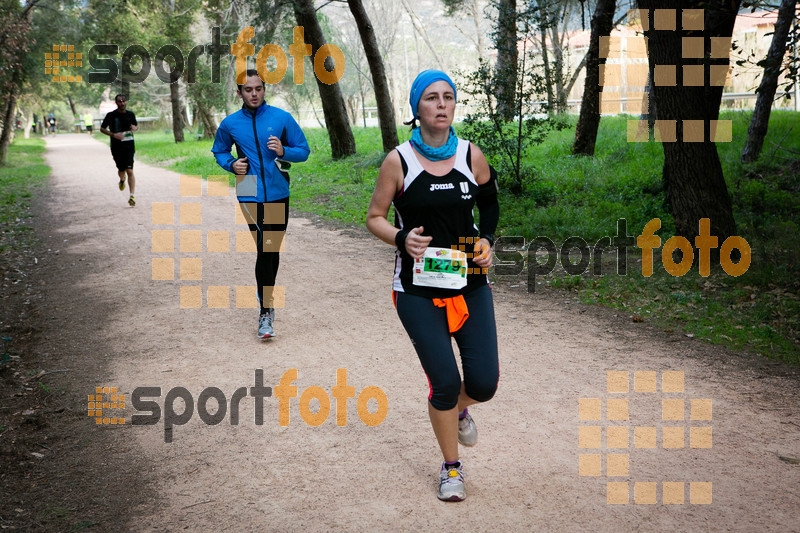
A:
<point x="422" y="82"/>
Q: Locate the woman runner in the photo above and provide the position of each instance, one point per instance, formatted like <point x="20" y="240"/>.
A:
<point x="440" y="285"/>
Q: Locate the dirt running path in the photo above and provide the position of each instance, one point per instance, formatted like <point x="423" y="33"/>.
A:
<point x="113" y="325"/>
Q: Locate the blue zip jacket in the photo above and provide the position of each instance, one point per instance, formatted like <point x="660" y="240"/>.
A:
<point x="250" y="132"/>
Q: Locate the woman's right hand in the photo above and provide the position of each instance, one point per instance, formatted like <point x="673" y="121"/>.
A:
<point x="416" y="243"/>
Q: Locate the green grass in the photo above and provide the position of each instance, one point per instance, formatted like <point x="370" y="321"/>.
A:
<point x="23" y="172"/>
<point x="581" y="196"/>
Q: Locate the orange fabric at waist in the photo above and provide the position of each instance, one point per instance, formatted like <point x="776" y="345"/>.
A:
<point x="456" y="308"/>
<point x="457" y="312"/>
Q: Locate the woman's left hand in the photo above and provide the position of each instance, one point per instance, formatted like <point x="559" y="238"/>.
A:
<point x="482" y="254"/>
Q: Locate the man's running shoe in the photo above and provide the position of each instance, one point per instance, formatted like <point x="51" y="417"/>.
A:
<point x="265" y="329"/>
<point x="451" y="483"/>
<point x="122" y="185"/>
<point x="467" y="430"/>
<point x="131" y="201"/>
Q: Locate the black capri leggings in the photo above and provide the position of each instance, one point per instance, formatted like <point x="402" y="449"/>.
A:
<point x="268" y="257"/>
<point x="426" y="324"/>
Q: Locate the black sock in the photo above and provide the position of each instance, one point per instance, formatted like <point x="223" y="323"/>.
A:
<point x="448" y="466"/>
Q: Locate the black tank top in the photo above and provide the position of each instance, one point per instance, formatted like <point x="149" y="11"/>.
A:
<point x="443" y="206"/>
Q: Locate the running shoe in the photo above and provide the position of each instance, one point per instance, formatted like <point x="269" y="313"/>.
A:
<point x="451" y="483"/>
<point x="131" y="201"/>
<point x="122" y="185"/>
<point x="467" y="430"/>
<point x="265" y="329"/>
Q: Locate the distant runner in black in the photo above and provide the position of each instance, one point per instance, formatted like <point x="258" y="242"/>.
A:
<point x="120" y="125"/>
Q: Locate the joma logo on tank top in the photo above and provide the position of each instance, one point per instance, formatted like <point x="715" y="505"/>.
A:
<point x="441" y="186"/>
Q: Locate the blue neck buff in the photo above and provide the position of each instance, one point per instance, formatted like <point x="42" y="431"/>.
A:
<point x="445" y="151"/>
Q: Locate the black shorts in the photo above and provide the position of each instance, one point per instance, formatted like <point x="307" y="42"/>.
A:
<point x="123" y="155"/>
<point x="88" y="128"/>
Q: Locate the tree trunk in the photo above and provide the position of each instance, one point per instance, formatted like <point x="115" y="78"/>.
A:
<point x="574" y="77"/>
<point x="185" y="117"/>
<point x="475" y="11"/>
<point x="769" y="83"/>
<point x="692" y="173"/>
<point x="364" y="103"/>
<point x="209" y="123"/>
<point x="177" y="119"/>
<point x="341" y="137"/>
<point x="8" y="122"/>
<point x="548" y="75"/>
<point x="648" y="103"/>
<point x="507" y="58"/>
<point x="27" y="121"/>
<point x="383" y="96"/>
<point x="352" y="112"/>
<point x="558" y="68"/>
<point x="43" y="127"/>
<point x="75" y="117"/>
<point x="589" y="118"/>
<point x="9" y="114"/>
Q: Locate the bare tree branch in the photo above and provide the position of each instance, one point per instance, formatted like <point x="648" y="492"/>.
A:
<point x="421" y="31"/>
<point x="582" y="64"/>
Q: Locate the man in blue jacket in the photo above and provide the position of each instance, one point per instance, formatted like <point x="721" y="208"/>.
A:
<point x="266" y="139"/>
